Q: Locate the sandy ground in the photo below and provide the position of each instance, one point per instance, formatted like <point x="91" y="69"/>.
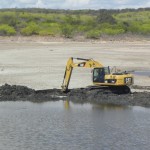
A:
<point x="41" y="65"/>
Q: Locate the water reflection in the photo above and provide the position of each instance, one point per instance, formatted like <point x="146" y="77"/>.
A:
<point x="68" y="104"/>
<point x="107" y="107"/>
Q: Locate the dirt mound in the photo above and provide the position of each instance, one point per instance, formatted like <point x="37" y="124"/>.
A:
<point x="14" y="92"/>
<point x="23" y="93"/>
<point x="81" y="95"/>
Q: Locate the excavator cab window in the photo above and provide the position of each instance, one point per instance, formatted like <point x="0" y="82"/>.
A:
<point x="99" y="74"/>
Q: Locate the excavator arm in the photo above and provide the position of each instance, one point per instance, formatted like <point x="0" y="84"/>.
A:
<point x="86" y="63"/>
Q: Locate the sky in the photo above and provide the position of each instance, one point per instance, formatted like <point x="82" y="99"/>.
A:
<point x="75" y="4"/>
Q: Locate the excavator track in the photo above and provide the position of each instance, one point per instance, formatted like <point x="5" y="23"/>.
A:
<point x="111" y="89"/>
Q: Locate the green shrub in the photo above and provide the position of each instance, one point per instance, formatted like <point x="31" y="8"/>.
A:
<point x="67" y="31"/>
<point x="105" y="17"/>
<point x="71" y="20"/>
<point x="21" y="25"/>
<point x="94" y="34"/>
<point x="84" y="28"/>
<point x="46" y="32"/>
<point x="30" y="29"/>
<point x="7" y="30"/>
<point x="111" y="31"/>
<point x="52" y="29"/>
<point x="132" y="27"/>
<point x="9" y="18"/>
<point x="144" y="29"/>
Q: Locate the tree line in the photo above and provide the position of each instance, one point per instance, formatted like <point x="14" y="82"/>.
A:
<point x="69" y="23"/>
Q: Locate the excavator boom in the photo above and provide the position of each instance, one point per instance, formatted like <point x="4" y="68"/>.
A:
<point x="86" y="63"/>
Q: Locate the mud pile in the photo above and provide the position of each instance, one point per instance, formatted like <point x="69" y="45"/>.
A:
<point x="81" y="95"/>
<point x="23" y="93"/>
<point x="8" y="92"/>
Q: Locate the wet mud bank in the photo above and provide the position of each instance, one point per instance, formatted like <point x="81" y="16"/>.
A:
<point x="81" y="95"/>
<point x="100" y="96"/>
<point x="23" y="93"/>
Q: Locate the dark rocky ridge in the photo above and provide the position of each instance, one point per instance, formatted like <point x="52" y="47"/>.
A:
<point x="81" y="95"/>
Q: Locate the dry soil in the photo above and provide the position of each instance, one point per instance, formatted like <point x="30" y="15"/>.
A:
<point x="41" y="65"/>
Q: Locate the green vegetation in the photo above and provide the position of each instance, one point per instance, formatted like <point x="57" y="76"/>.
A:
<point x="7" y="30"/>
<point x="69" y="23"/>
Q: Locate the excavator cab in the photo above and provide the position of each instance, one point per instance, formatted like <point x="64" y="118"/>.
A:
<point x="99" y="74"/>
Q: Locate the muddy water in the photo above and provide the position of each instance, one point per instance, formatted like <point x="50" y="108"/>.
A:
<point x="63" y="126"/>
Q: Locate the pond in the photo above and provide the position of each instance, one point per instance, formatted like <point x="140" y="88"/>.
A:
<point x="68" y="126"/>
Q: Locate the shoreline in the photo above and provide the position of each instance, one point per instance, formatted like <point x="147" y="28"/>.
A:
<point x="100" y="95"/>
<point x="39" y="39"/>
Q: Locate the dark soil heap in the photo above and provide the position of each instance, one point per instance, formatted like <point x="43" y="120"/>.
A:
<point x="101" y="96"/>
<point x="23" y="93"/>
<point x="8" y="92"/>
<point x="81" y="95"/>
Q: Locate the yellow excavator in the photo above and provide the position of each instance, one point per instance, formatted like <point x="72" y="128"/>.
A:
<point x="102" y="76"/>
